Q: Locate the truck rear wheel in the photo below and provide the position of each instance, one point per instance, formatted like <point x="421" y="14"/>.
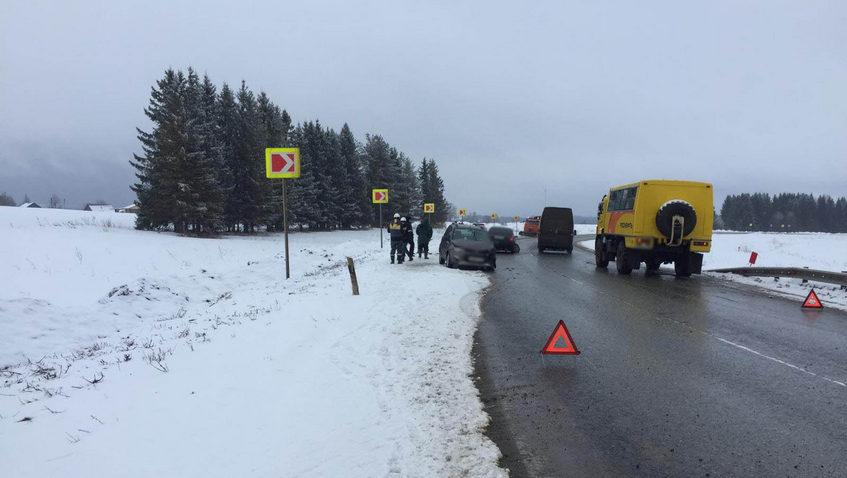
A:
<point x="681" y="267"/>
<point x="622" y="262"/>
<point x="599" y="255"/>
<point x="652" y="266"/>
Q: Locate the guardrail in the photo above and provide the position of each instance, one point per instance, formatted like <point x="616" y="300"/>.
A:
<point x="839" y="278"/>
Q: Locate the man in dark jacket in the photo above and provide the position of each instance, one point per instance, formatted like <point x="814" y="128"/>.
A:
<point x="424" y="231"/>
<point x="408" y="238"/>
<point x="398" y="243"/>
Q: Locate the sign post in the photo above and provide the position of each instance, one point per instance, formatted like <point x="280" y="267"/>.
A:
<point x="493" y="217"/>
<point x="429" y="208"/>
<point x="283" y="163"/>
<point x="462" y="213"/>
<point x="380" y="196"/>
<point x="516" y="218"/>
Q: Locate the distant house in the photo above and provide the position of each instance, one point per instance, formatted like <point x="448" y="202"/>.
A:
<point x="30" y="204"/>
<point x="133" y="208"/>
<point x="99" y="208"/>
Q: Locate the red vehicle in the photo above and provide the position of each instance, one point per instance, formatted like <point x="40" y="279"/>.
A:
<point x="531" y="226"/>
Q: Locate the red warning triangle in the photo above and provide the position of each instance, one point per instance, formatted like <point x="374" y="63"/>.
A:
<point x="812" y="301"/>
<point x="560" y="342"/>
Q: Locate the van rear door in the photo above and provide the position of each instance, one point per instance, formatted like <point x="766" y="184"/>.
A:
<point x="556" y="228"/>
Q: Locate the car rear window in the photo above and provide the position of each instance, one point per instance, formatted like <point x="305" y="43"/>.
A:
<point x="468" y="234"/>
<point x="500" y="231"/>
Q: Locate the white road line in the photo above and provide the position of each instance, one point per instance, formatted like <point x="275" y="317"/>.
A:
<point x="754" y="352"/>
<point x="783" y="362"/>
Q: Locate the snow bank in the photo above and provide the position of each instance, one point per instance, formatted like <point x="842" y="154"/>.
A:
<point x="814" y="250"/>
<point x="206" y="362"/>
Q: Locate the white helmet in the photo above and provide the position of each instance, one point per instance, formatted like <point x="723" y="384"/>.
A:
<point x="402" y="218"/>
<point x="396" y="215"/>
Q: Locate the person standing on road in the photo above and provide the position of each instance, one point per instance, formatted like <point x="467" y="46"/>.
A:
<point x="424" y="231"/>
<point x="408" y="238"/>
<point x="398" y="243"/>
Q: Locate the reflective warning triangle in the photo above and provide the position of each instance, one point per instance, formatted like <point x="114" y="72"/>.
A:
<point x="560" y="342"/>
<point x="812" y="301"/>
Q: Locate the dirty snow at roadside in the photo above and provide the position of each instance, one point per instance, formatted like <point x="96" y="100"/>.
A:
<point x="814" y="250"/>
<point x="129" y="353"/>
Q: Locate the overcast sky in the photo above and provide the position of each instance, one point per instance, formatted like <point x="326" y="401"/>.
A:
<point x="511" y="100"/>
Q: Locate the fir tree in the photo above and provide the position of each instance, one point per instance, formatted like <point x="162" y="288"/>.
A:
<point x="156" y="169"/>
<point x="6" y="200"/>
<point x="248" y="162"/>
<point x="380" y="170"/>
<point x="353" y="195"/>
<point x="202" y="168"/>
<point x="436" y="185"/>
<point x="303" y="195"/>
<point x="227" y="139"/>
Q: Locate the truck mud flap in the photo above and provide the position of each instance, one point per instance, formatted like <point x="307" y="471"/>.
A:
<point x="695" y="262"/>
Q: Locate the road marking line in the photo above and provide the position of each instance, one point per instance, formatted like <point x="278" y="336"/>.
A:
<point x="783" y="362"/>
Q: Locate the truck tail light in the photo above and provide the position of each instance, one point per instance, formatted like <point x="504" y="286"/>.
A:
<point x="644" y="241"/>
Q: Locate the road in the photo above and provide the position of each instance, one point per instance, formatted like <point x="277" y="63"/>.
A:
<point x="677" y="377"/>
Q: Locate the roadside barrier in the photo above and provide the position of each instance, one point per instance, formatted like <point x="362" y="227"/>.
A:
<point x="839" y="278"/>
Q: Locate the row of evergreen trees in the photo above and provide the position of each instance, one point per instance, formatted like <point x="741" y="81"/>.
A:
<point x="202" y="167"/>
<point x="784" y="212"/>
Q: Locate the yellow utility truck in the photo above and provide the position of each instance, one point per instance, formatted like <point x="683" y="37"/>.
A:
<point x="655" y="221"/>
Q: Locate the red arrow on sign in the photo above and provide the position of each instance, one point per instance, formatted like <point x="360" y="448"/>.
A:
<point x="283" y="163"/>
<point x="380" y="196"/>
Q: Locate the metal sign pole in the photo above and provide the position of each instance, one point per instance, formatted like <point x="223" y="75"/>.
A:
<point x="380" y="225"/>
<point x="285" y="227"/>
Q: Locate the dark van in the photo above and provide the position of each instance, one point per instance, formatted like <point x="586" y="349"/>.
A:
<point x="556" y="230"/>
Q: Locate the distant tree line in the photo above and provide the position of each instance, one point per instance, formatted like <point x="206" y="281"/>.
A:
<point x="202" y="167"/>
<point x="6" y="200"/>
<point x="784" y="212"/>
<point x="55" y="201"/>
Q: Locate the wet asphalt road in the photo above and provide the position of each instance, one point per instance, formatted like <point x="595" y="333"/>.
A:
<point x="677" y="377"/>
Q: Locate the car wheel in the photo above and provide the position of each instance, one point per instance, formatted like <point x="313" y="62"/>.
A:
<point x="450" y="264"/>
<point x="570" y="250"/>
<point x="622" y="260"/>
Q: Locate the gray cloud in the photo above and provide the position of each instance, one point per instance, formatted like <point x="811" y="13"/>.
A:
<point x="512" y="100"/>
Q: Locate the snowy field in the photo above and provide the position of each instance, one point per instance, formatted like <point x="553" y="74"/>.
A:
<point x="813" y="250"/>
<point x="128" y="353"/>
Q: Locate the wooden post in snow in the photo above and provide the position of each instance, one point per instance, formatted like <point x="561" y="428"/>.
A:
<point x="353" y="281"/>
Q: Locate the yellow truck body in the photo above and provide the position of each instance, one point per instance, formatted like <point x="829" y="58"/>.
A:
<point x="630" y="217"/>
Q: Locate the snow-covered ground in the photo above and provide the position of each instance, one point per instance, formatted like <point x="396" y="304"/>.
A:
<point x="813" y="250"/>
<point x="128" y="353"/>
